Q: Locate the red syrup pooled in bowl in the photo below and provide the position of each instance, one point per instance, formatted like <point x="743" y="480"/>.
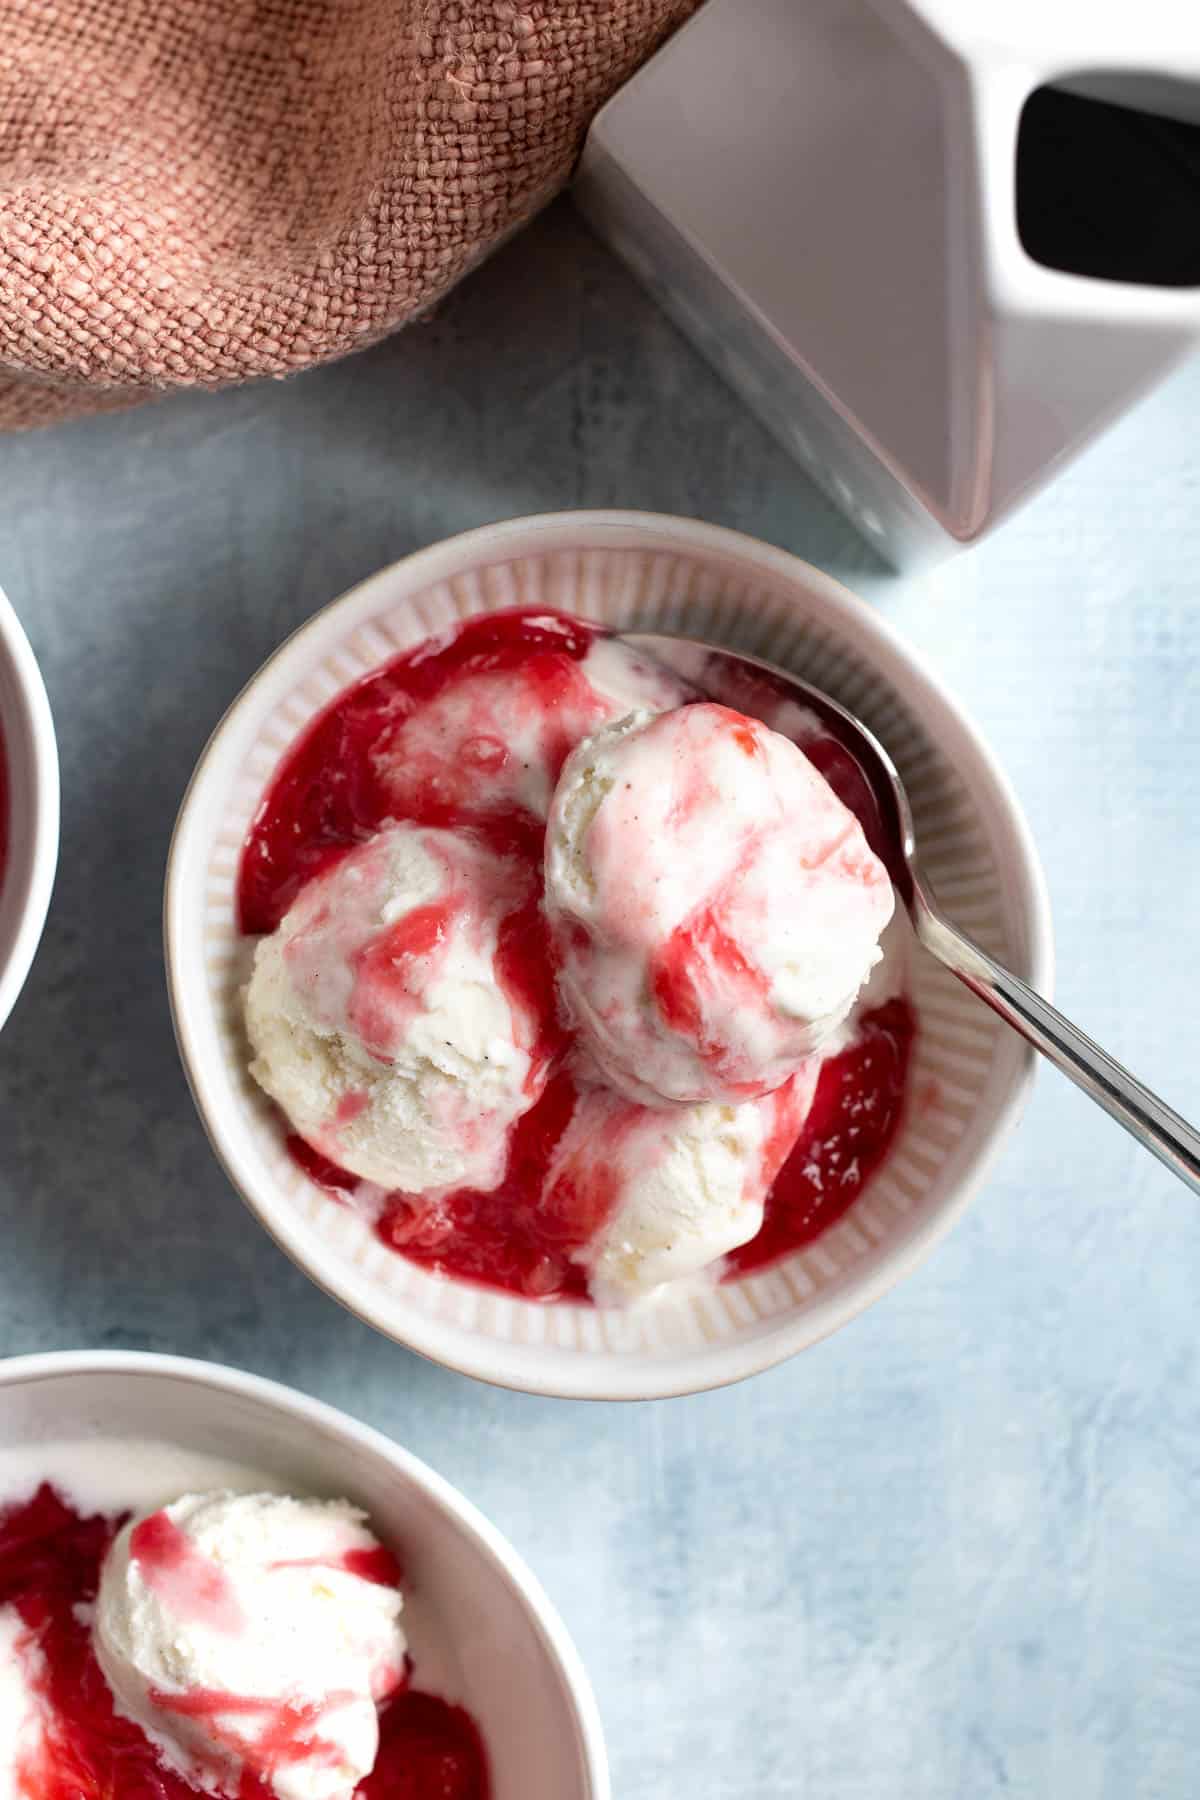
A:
<point x="50" y="1558"/>
<point x="365" y="762"/>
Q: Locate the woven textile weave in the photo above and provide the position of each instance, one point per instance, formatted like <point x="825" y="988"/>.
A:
<point x="193" y="192"/>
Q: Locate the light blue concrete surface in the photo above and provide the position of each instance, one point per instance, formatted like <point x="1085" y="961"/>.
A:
<point x="950" y="1553"/>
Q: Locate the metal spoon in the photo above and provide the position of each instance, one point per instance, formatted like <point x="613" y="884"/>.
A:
<point x="724" y="675"/>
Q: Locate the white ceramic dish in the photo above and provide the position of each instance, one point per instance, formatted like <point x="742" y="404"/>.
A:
<point x="628" y="570"/>
<point x="31" y="759"/>
<point x="495" y="1641"/>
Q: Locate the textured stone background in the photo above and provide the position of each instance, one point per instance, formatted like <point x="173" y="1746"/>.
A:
<point x="951" y="1552"/>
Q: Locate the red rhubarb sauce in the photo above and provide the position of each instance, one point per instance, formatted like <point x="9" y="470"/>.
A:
<point x="50" y="1559"/>
<point x="339" y="785"/>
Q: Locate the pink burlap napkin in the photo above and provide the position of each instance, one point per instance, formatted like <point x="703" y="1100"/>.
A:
<point x="193" y="192"/>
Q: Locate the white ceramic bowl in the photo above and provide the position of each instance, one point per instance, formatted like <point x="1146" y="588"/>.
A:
<point x="504" y="1651"/>
<point x="31" y="761"/>
<point x="628" y="570"/>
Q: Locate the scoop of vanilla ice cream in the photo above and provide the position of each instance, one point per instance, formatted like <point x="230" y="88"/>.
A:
<point x="379" y="1019"/>
<point x="253" y="1632"/>
<point x="22" y="1716"/>
<point x="670" y="1190"/>
<point x="497" y="738"/>
<point x="626" y="680"/>
<point x="715" y="906"/>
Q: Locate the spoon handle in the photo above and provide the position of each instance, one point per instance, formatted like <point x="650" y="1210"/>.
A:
<point x="1143" y="1114"/>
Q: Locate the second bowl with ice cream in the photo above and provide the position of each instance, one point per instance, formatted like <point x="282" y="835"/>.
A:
<point x="212" y="1585"/>
<point x="560" y="1019"/>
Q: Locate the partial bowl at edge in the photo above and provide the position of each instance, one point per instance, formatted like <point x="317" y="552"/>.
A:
<point x="517" y="1671"/>
<point x="30" y="831"/>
